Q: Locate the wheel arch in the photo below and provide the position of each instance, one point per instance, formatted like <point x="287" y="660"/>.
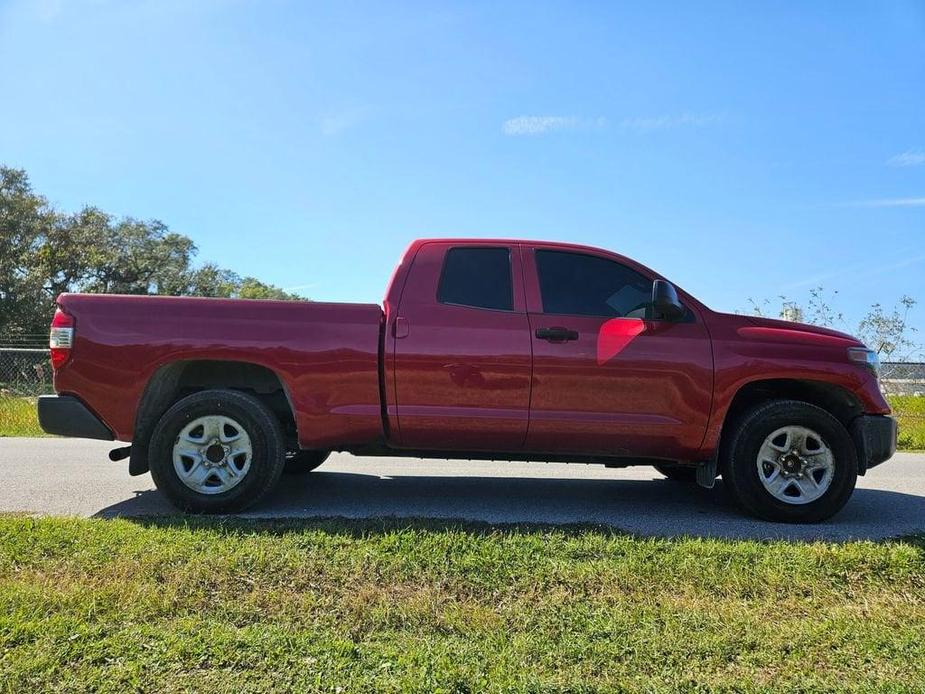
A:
<point x="176" y="379"/>
<point x="838" y="401"/>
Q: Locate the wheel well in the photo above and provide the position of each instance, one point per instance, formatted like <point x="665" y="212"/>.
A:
<point x="181" y="378"/>
<point x="835" y="400"/>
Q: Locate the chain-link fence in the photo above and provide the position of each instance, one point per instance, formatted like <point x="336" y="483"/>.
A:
<point x="904" y="385"/>
<point x="903" y="378"/>
<point x="25" y="373"/>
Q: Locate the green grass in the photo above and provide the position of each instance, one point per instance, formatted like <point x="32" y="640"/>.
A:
<point x="910" y="411"/>
<point x="174" y="605"/>
<point x="18" y="417"/>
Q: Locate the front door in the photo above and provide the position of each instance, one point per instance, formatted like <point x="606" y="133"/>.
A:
<point x="608" y="379"/>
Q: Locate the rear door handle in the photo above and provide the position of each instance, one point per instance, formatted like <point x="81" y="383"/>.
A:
<point x="400" y="327"/>
<point x="556" y="334"/>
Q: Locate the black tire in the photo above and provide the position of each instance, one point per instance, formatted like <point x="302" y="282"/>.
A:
<point x="267" y="451"/>
<point x="739" y="461"/>
<point x="303" y="462"/>
<point x="677" y="473"/>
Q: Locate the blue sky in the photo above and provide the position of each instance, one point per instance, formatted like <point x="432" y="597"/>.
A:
<point x="742" y="149"/>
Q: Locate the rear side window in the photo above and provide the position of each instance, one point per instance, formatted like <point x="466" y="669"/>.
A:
<point x="477" y="277"/>
<point x="586" y="285"/>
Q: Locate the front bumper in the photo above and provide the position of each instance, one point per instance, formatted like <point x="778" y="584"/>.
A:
<point x="65" y="415"/>
<point x="875" y="437"/>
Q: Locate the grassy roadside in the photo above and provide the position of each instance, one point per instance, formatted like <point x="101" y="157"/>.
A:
<point x="910" y="411"/>
<point x="18" y="417"/>
<point x="94" y="605"/>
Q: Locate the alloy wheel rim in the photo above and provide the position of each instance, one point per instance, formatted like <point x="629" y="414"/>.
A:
<point x="212" y="454"/>
<point x="795" y="465"/>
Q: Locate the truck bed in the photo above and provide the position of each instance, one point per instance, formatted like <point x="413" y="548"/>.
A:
<point x="325" y="354"/>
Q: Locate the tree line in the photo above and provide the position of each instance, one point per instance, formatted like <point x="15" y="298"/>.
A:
<point x="44" y="251"/>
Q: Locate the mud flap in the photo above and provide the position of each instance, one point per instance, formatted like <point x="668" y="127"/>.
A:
<point x="706" y="473"/>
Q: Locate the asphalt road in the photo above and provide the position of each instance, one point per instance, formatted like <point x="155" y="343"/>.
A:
<point x="75" y="477"/>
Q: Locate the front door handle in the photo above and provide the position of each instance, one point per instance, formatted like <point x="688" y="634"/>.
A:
<point x="556" y="334"/>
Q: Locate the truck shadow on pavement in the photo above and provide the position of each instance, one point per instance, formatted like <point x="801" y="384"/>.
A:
<point x="642" y="507"/>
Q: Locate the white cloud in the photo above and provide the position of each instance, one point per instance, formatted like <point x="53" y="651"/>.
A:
<point x="537" y="125"/>
<point x="335" y="123"/>
<point x="858" y="270"/>
<point x="665" y="122"/>
<point x="892" y="202"/>
<point x="912" y="157"/>
<point x="300" y="287"/>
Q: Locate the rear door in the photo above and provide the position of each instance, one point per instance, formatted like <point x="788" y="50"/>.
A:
<point x="462" y="345"/>
<point x="607" y="378"/>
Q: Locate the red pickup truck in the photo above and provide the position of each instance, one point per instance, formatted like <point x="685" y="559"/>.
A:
<point x="483" y="349"/>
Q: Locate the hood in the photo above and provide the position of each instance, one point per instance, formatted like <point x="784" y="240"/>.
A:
<point x="756" y="325"/>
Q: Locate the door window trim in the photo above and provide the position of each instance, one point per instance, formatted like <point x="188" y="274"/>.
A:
<point x="688" y="317"/>
<point x="510" y="265"/>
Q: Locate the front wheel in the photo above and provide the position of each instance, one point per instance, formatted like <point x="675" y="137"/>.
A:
<point x="790" y="461"/>
<point x="216" y="451"/>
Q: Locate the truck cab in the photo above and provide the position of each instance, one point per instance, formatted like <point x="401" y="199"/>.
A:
<point x="543" y="348"/>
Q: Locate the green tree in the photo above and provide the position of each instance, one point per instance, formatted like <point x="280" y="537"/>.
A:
<point x="212" y="280"/>
<point x="44" y="252"/>
<point x="251" y="288"/>
<point x="139" y="258"/>
<point x="886" y="331"/>
<point x="24" y="219"/>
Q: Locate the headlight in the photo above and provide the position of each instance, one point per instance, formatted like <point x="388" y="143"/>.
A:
<point x="865" y="356"/>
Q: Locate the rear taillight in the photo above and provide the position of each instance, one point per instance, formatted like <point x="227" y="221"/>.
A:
<point x="61" y="338"/>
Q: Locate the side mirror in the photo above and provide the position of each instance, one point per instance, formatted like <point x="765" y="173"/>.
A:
<point x="665" y="301"/>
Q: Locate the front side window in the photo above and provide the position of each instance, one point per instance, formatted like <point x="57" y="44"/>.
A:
<point x="477" y="277"/>
<point x="587" y="285"/>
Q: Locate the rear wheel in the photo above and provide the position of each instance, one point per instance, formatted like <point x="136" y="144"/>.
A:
<point x="790" y="461"/>
<point x="303" y="462"/>
<point x="216" y="451"/>
<point x="677" y="473"/>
